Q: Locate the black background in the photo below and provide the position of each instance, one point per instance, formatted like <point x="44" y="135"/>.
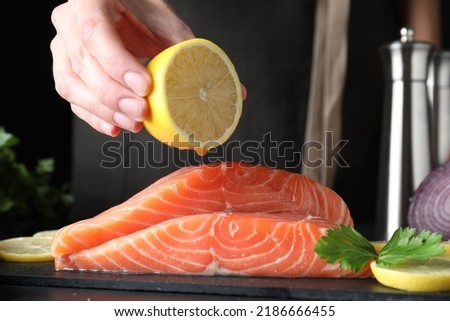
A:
<point x="31" y="108"/>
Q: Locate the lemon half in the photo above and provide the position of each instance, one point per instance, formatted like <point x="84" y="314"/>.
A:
<point x="196" y="97"/>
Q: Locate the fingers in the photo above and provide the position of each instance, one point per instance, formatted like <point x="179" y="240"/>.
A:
<point x="244" y="92"/>
<point x="95" y="122"/>
<point x="97" y="22"/>
<point x="98" y="55"/>
<point x="102" y="126"/>
<point x="94" y="95"/>
<point x="69" y="86"/>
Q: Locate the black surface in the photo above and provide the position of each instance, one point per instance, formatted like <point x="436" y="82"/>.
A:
<point x="47" y="293"/>
<point x="18" y="278"/>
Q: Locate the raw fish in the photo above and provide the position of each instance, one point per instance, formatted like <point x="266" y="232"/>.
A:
<point x="227" y="218"/>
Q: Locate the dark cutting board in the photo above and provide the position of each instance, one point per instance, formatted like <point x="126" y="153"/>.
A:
<point x="43" y="274"/>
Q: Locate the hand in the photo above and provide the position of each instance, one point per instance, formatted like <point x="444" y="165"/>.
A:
<point x="99" y="55"/>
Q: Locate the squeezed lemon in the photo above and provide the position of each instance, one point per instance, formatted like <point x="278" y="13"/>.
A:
<point x="196" y="97"/>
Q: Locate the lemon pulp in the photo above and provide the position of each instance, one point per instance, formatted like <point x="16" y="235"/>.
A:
<point x="27" y="248"/>
<point x="416" y="276"/>
<point x="196" y="97"/>
<point x="48" y="233"/>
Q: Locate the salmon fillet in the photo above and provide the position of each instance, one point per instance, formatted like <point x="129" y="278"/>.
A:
<point x="244" y="244"/>
<point x="218" y="187"/>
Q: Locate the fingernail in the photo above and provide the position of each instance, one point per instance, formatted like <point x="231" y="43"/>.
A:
<point x="106" y="128"/>
<point x="132" y="107"/>
<point x="137" y="82"/>
<point x="123" y="121"/>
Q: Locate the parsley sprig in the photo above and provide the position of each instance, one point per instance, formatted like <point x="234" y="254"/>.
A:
<point x="29" y="198"/>
<point x="353" y="251"/>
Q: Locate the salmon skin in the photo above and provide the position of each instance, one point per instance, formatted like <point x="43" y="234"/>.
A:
<point x="243" y="244"/>
<point x="224" y="193"/>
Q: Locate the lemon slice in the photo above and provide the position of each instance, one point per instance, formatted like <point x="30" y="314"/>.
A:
<point x="446" y="245"/>
<point x="415" y="276"/>
<point x="378" y="245"/>
<point x="26" y="249"/>
<point x="196" y="97"/>
<point x="48" y="233"/>
<point x="430" y="276"/>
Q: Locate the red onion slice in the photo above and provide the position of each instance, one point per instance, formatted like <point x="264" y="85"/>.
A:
<point x="430" y="205"/>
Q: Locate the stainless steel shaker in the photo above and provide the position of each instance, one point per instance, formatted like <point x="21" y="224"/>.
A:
<point x="407" y="154"/>
<point x="439" y="85"/>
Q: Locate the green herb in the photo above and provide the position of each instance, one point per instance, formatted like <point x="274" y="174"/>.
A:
<point x="406" y="245"/>
<point x="28" y="197"/>
<point x="346" y="245"/>
<point x="353" y="251"/>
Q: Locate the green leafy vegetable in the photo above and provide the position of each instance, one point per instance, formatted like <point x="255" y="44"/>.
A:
<point x="347" y="246"/>
<point x="406" y="245"/>
<point x="353" y="251"/>
<point x="28" y="198"/>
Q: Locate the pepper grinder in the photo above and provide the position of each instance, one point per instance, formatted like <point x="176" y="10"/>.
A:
<point x="439" y="86"/>
<point x="407" y="153"/>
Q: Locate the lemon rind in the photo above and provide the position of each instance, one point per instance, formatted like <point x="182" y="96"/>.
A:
<point x="22" y="252"/>
<point x="410" y="281"/>
<point x="158" y="99"/>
